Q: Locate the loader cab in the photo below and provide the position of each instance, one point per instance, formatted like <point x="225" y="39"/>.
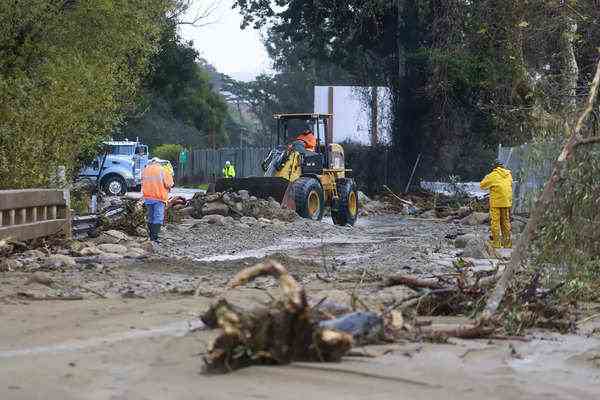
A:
<point x="326" y="155"/>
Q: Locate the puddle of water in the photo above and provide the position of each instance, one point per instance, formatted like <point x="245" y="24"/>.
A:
<point x="175" y="329"/>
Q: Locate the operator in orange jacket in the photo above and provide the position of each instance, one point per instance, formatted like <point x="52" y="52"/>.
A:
<point x="308" y="138"/>
<point x="156" y="183"/>
<point x="499" y="182"/>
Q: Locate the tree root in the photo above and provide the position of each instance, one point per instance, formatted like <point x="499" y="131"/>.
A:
<point x="285" y="331"/>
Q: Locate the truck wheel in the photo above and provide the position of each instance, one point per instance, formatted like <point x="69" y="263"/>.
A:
<point x="114" y="185"/>
<point x="309" y="198"/>
<point x="347" y="211"/>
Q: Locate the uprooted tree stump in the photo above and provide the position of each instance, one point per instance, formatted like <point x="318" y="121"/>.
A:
<point x="286" y="330"/>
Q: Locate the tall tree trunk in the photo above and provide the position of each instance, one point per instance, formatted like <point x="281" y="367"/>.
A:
<point x="569" y="68"/>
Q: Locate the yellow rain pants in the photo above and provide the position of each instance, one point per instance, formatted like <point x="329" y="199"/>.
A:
<point x="500" y="227"/>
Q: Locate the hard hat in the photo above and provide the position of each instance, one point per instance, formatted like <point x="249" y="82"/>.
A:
<point x="498" y="163"/>
<point x="155" y="160"/>
<point x="227" y="163"/>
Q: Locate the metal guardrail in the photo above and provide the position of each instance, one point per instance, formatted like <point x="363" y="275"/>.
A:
<point x="34" y="213"/>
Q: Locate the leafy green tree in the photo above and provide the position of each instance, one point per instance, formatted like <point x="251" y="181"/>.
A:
<point x="168" y="152"/>
<point x="69" y="71"/>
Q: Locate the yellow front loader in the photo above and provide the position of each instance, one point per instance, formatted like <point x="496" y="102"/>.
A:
<point x="303" y="180"/>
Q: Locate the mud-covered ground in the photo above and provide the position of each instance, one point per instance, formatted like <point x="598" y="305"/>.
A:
<point x="126" y="332"/>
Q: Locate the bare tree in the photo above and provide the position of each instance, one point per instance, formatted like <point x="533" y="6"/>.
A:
<point x="202" y="16"/>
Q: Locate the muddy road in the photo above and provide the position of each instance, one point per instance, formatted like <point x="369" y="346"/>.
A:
<point x="132" y="330"/>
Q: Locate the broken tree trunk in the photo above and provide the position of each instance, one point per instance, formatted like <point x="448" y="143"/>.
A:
<point x="285" y="331"/>
<point x="520" y="254"/>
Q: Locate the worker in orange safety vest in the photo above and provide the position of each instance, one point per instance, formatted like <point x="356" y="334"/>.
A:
<point x="156" y="184"/>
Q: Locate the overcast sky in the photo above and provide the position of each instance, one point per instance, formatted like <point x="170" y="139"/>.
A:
<point x="235" y="52"/>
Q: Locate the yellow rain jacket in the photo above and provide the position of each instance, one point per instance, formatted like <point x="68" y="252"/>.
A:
<point x="499" y="182"/>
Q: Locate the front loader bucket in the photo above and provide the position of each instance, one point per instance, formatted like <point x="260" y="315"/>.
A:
<point x="261" y="187"/>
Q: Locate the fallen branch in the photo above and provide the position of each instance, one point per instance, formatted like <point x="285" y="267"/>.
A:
<point x="412" y="282"/>
<point x="401" y="200"/>
<point x="478" y="330"/>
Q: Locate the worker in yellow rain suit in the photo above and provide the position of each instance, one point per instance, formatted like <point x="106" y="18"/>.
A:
<point x="499" y="182"/>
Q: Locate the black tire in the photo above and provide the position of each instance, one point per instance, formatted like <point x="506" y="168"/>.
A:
<point x="347" y="211"/>
<point x="309" y="198"/>
<point x="114" y="185"/>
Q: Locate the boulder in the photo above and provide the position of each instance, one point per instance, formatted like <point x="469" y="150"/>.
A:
<point x="147" y="247"/>
<point x="215" y="208"/>
<point x="187" y="212"/>
<point x="244" y="195"/>
<point x="35" y="254"/>
<point x="90" y="251"/>
<point x="121" y="236"/>
<point x="106" y="239"/>
<point x="476" y="218"/>
<point x="135" y="253"/>
<point x="430" y="214"/>
<point x="249" y="220"/>
<point x="461" y="241"/>
<point x="113" y="248"/>
<point x="240" y="225"/>
<point x="214" y="219"/>
<point x="9" y="265"/>
<point x="141" y="232"/>
<point x="476" y="247"/>
<point x="274" y="203"/>
<point x="59" y="261"/>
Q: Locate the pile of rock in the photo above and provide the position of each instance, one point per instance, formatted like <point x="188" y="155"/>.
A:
<point x="109" y="247"/>
<point x="238" y="205"/>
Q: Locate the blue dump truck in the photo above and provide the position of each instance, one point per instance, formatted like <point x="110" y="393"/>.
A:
<point x="118" y="167"/>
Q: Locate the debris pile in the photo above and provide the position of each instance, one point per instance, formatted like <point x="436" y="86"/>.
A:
<point x="289" y="329"/>
<point x="238" y="205"/>
<point x="128" y="215"/>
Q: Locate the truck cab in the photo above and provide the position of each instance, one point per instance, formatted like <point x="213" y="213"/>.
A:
<point x="118" y="167"/>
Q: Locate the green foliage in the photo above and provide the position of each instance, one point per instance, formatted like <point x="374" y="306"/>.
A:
<point x="168" y="152"/>
<point x="180" y="104"/>
<point x="569" y="239"/>
<point x="68" y="73"/>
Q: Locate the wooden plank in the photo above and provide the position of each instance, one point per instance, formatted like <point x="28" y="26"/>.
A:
<point x="22" y="216"/>
<point x="44" y="213"/>
<point x="10" y="199"/>
<point x="11" y="217"/>
<point x="34" y="230"/>
<point x="1" y="217"/>
<point x="33" y="214"/>
<point x="53" y="212"/>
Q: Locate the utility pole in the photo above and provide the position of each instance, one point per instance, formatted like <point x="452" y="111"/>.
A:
<point x="374" y="116"/>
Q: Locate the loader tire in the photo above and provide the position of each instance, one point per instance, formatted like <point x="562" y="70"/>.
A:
<point x="347" y="210"/>
<point x="309" y="198"/>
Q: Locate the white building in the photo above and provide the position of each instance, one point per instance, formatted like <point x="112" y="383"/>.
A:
<point x="351" y="107"/>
